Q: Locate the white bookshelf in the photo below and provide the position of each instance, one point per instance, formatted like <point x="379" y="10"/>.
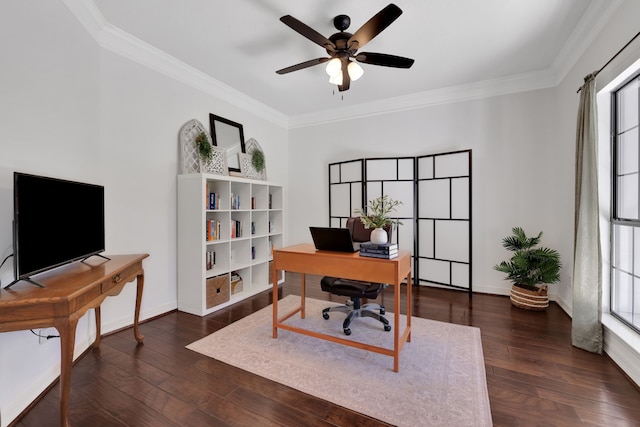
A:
<point x="259" y="214"/>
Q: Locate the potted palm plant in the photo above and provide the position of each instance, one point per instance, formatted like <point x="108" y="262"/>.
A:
<point x="378" y="215"/>
<point x="531" y="269"/>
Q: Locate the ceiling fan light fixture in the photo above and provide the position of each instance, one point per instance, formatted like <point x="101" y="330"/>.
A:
<point x="334" y="67"/>
<point x="355" y="70"/>
<point x="336" y="80"/>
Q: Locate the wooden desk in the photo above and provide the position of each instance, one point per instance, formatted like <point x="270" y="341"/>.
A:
<point x="305" y="259"/>
<point x="69" y="292"/>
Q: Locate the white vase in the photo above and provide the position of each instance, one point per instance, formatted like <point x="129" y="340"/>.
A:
<point x="378" y="235"/>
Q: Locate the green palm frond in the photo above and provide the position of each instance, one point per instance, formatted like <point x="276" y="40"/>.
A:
<point x="529" y="265"/>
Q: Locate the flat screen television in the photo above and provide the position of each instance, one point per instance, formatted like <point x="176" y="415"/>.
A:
<point x="55" y="222"/>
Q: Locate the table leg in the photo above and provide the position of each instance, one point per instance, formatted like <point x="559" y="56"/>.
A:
<point x="66" y="327"/>
<point x="96" y="343"/>
<point x="136" y="317"/>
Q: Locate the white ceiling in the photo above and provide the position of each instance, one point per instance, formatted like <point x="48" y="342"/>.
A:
<point x="455" y="43"/>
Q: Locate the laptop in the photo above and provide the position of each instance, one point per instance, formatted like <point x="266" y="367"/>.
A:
<point x="333" y="239"/>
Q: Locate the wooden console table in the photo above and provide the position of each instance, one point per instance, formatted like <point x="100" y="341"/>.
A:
<point x="69" y="292"/>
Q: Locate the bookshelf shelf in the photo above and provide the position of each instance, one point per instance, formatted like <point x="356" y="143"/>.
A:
<point x="226" y="228"/>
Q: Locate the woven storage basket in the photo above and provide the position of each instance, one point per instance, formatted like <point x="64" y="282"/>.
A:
<point x="530" y="300"/>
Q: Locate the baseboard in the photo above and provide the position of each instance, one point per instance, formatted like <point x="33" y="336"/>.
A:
<point x="622" y="346"/>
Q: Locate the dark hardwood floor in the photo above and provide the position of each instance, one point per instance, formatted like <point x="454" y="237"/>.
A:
<point x="534" y="376"/>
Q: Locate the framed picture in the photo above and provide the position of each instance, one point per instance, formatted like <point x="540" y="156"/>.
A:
<point x="229" y="136"/>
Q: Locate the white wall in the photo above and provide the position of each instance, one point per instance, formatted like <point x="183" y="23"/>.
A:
<point x="71" y="109"/>
<point x="518" y="179"/>
<point x="48" y="122"/>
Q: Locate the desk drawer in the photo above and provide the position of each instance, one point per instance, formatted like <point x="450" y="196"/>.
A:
<point x="120" y="278"/>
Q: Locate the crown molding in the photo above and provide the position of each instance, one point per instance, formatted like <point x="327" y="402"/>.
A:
<point x="477" y="90"/>
<point x="126" y="45"/>
<point x="122" y="43"/>
<point x="590" y="25"/>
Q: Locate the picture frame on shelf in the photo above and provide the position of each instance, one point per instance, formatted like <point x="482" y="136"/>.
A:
<point x="229" y="136"/>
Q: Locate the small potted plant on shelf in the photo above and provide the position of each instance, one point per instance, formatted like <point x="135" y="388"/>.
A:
<point x="530" y="269"/>
<point x="378" y="215"/>
<point x="204" y="146"/>
<point x="257" y="159"/>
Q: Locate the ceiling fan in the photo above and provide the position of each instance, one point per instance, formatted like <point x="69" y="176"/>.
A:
<point x="343" y="46"/>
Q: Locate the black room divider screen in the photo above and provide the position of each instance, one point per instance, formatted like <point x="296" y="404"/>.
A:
<point x="435" y="191"/>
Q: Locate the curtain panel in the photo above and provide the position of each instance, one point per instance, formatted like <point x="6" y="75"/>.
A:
<point x="586" y="330"/>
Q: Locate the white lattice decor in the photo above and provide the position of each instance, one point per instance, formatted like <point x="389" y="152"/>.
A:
<point x="190" y="161"/>
<point x="247" y="168"/>
<point x="249" y="147"/>
<point x="218" y="162"/>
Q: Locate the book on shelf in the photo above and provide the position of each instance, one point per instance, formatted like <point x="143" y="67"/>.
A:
<point x="376" y="255"/>
<point x="210" y="259"/>
<point x="212" y="231"/>
<point x="236" y="228"/>
<point x="235" y="201"/>
<point x="212" y="200"/>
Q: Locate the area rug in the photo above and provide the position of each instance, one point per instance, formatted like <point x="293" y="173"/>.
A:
<point x="441" y="380"/>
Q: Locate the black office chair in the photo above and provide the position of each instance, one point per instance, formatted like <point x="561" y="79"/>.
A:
<point x="355" y="289"/>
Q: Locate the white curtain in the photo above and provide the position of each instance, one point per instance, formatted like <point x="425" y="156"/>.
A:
<point x="586" y="332"/>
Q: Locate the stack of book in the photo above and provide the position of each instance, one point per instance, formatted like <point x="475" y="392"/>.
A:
<point x="379" y="250"/>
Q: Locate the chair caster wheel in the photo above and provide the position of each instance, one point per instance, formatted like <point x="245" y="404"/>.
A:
<point x="325" y="315"/>
<point x="347" y="331"/>
<point x="387" y="328"/>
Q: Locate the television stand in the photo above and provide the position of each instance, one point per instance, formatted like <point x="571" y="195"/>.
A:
<point x="27" y="279"/>
<point x="101" y="256"/>
<point x="71" y="291"/>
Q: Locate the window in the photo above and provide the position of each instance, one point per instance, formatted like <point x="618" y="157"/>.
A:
<point x="625" y="219"/>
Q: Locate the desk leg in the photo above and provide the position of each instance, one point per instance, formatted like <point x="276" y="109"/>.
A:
<point x="67" y="329"/>
<point x="302" y="295"/>
<point x="275" y="301"/>
<point x="136" y="318"/>
<point x="96" y="343"/>
<point x="396" y="327"/>
<point x="409" y="304"/>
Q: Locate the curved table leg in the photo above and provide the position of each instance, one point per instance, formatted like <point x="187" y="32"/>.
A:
<point x="66" y="327"/>
<point x="136" y="319"/>
<point x="96" y="343"/>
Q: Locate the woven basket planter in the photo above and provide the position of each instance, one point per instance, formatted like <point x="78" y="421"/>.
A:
<point x="528" y="299"/>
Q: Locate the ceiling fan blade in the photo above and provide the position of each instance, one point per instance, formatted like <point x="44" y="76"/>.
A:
<point x="302" y="65"/>
<point x="374" y="26"/>
<point x="346" y="79"/>
<point x="308" y="32"/>
<point x="384" y="60"/>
